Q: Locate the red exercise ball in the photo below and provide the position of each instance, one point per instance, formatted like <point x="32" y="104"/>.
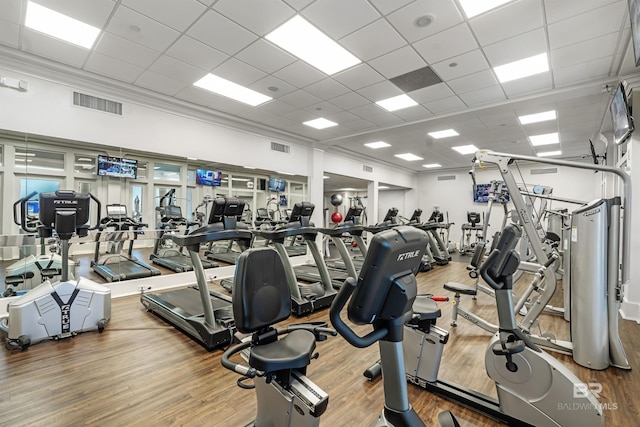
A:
<point x="336" y="217"/>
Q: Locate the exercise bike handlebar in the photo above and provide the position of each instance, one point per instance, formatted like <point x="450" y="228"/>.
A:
<point x="345" y="331"/>
<point x="237" y="367"/>
<point x="23" y="221"/>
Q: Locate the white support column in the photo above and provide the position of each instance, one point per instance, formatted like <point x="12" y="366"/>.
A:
<point x="316" y="191"/>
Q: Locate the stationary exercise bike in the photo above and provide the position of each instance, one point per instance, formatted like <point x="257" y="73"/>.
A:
<point x="261" y="298"/>
<point x="383" y="297"/>
<point x="533" y="387"/>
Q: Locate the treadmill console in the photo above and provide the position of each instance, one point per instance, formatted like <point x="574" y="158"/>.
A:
<point x="301" y="211"/>
<point x="225" y="209"/>
<point x="116" y="212"/>
<point x="391" y="215"/>
<point x="172" y="212"/>
<point x="353" y="215"/>
<point x="416" y="216"/>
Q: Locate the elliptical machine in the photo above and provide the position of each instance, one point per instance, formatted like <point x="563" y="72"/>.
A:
<point x="533" y="387"/>
<point x="66" y="308"/>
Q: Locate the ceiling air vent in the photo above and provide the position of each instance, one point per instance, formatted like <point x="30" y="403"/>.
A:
<point x="543" y="171"/>
<point x="95" y="103"/>
<point x="446" y="178"/>
<point x="275" y="146"/>
<point x="367" y="168"/>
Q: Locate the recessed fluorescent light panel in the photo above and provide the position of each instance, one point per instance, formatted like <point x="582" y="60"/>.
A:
<point x="325" y="177"/>
<point x="545" y="139"/>
<point x="443" y="134"/>
<point x="465" y="149"/>
<point x="408" y="157"/>
<point x="300" y="38"/>
<point x="397" y="103"/>
<point x="523" y="68"/>
<point x="377" y="144"/>
<point x="60" y="26"/>
<point x="476" y="7"/>
<point x="320" y="123"/>
<point x="538" y="117"/>
<point x="383" y="187"/>
<point x="432" y="165"/>
<point x="550" y="153"/>
<point x="231" y="90"/>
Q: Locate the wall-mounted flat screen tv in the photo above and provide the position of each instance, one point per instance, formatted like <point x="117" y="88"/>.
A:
<point x="620" y="115"/>
<point x="117" y="167"/>
<point x="207" y="177"/>
<point x="481" y="193"/>
<point x="277" y="184"/>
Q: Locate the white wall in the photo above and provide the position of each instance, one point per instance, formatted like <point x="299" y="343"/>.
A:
<point x="456" y="196"/>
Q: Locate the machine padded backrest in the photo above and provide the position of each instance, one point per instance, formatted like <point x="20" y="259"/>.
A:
<point x="261" y="295"/>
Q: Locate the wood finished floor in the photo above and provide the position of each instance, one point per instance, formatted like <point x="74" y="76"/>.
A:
<point x="142" y="372"/>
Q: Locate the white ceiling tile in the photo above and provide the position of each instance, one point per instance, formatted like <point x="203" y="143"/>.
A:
<point x="372" y="41"/>
<point x="196" y="53"/>
<point x="559" y="10"/>
<point x="191" y="93"/>
<point x="359" y="125"/>
<point x="327" y="89"/>
<point x="177" y="14"/>
<point x="323" y="108"/>
<point x="450" y="42"/>
<point x="338" y="18"/>
<point x="299" y="74"/>
<point x="527" y="85"/>
<point x="516" y="48"/>
<point x="398" y="62"/>
<point x="281" y="88"/>
<point x="226" y="105"/>
<point x="446" y="15"/>
<point x="444" y="105"/>
<point x="483" y="96"/>
<point x="277" y="107"/>
<point x="301" y="115"/>
<point x="475" y="81"/>
<point x="136" y="27"/>
<point x="11" y="11"/>
<point x="238" y="72"/>
<point x="220" y="33"/>
<point x="266" y="15"/>
<point x="93" y="13"/>
<point x="581" y="72"/>
<point x="339" y="116"/>
<point x="111" y="67"/>
<point x="385" y="6"/>
<point x="358" y="77"/>
<point x="417" y="112"/>
<point x="256" y="115"/>
<point x="177" y="70"/>
<point x="126" y="50"/>
<point x="385" y="119"/>
<point x="300" y="99"/>
<point x="52" y="48"/>
<point x="380" y="91"/>
<point x="431" y="93"/>
<point x="9" y="34"/>
<point x="265" y="56"/>
<point x="584" y="51"/>
<point x="159" y="83"/>
<point x="298" y="4"/>
<point x="368" y="110"/>
<point x="507" y="21"/>
<point x="467" y="63"/>
<point x="349" y="100"/>
<point x="585" y="26"/>
<point x="207" y="2"/>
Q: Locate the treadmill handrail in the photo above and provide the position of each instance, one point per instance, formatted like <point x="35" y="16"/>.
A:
<point x="209" y="234"/>
<point x="341" y="228"/>
<point x="282" y="233"/>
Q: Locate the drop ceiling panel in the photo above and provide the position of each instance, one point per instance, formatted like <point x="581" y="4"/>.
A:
<point x="267" y="14"/>
<point x="93" y="13"/>
<point x="111" y="67"/>
<point x="299" y="74"/>
<point x="298" y="4"/>
<point x="467" y="63"/>
<point x="272" y="86"/>
<point x="220" y="33"/>
<point x="11" y="11"/>
<point x="385" y="6"/>
<point x="508" y="21"/>
<point x="446" y="15"/>
<point x="486" y="95"/>
<point x="528" y="85"/>
<point x="125" y="50"/>
<point x="338" y="18"/>
<point x="358" y="77"/>
<point x="48" y="47"/>
<point x="472" y="82"/>
<point x="416" y="112"/>
<point x="516" y="48"/>
<point x="372" y="41"/>
<point x="139" y="29"/>
<point x="585" y="26"/>
<point x="559" y="10"/>
<point x="265" y="56"/>
<point x="582" y="72"/>
<point x="446" y="44"/>
<point x="325" y="108"/>
<point x="300" y="99"/>
<point x="359" y="125"/>
<point x="196" y="53"/>
<point x="277" y="107"/>
<point x="238" y="72"/>
<point x="9" y="34"/>
<point x="161" y="83"/>
<point x="583" y="52"/>
<point x="349" y="100"/>
<point x="177" y="70"/>
<point x="367" y="111"/>
<point x="445" y="105"/>
<point x="380" y="91"/>
<point x="398" y="62"/>
<point x="177" y="14"/>
<point x="431" y="93"/>
<point x="327" y="89"/>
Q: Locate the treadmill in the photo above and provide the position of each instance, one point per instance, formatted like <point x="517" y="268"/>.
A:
<point x="116" y="266"/>
<point x="437" y="247"/>
<point x="203" y="314"/>
<point x="173" y="258"/>
<point x="310" y="272"/>
<point x="305" y="298"/>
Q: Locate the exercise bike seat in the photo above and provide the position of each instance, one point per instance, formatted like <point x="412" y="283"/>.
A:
<point x="424" y="308"/>
<point x="294" y="351"/>
<point x="459" y="288"/>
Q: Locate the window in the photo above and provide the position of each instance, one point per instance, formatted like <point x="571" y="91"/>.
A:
<point x="84" y="164"/>
<point x="40" y="159"/>
<point x="166" y="172"/>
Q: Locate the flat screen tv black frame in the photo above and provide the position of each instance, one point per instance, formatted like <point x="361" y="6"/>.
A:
<point x="621" y="117"/>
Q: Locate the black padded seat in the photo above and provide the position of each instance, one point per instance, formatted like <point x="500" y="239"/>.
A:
<point x="294" y="351"/>
<point x="460" y="288"/>
<point x="424" y="308"/>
